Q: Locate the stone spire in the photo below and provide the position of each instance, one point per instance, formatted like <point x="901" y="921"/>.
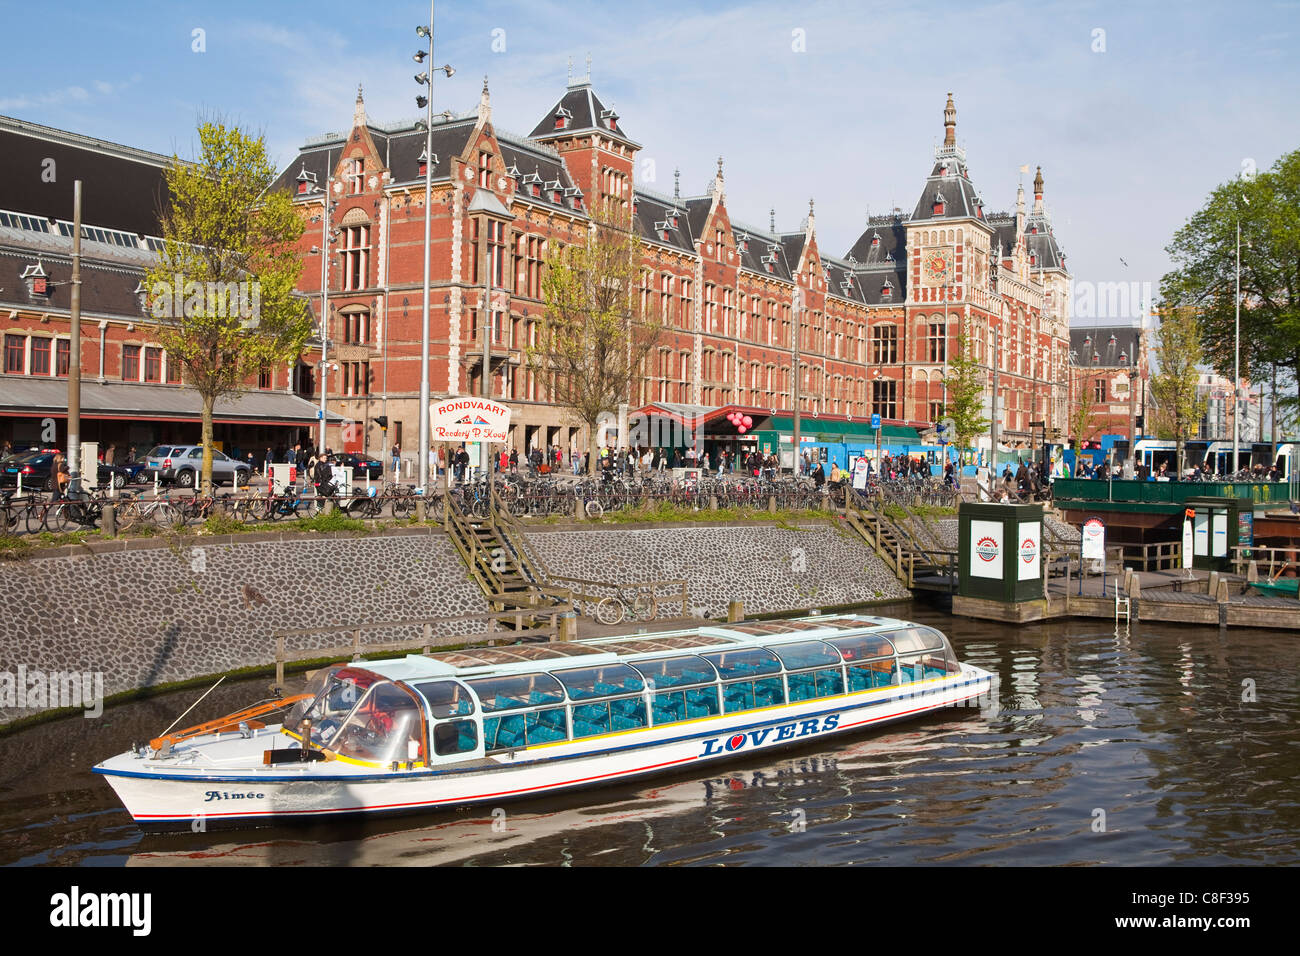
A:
<point x="950" y="123"/>
<point x="812" y="220"/>
<point x="771" y="221"/>
<point x="677" y="183"/>
<point x="717" y="183"/>
<point x="1038" y="192"/>
<point x="1020" y="208"/>
<point x="359" y="111"/>
<point x="485" y="103"/>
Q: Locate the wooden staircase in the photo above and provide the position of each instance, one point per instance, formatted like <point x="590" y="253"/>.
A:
<point x="907" y="545"/>
<point x="498" y="560"/>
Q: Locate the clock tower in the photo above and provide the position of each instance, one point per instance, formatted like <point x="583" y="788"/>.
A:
<point x="948" y="242"/>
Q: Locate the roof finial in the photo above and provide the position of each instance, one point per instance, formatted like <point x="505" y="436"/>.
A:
<point x="950" y="123"/>
<point x="359" y="111"/>
<point x="677" y="183"/>
<point x="588" y="66"/>
<point x="570" y="70"/>
<point x="810" y="206"/>
<point x="771" y="220"/>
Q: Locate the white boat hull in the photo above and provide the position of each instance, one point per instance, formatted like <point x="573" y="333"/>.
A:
<point x="226" y="783"/>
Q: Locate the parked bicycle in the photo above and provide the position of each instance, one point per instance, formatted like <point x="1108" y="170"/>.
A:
<point x="638" y="603"/>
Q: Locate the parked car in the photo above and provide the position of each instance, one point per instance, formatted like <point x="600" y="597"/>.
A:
<point x="181" y="464"/>
<point x="35" y="468"/>
<point x="362" y="465"/>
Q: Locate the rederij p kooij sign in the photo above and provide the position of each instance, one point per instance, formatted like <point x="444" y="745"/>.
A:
<point x="468" y="419"/>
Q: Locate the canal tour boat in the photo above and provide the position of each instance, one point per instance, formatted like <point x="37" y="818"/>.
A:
<point x="486" y="725"/>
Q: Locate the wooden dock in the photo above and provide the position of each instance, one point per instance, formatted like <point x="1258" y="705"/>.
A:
<point x="1182" y="596"/>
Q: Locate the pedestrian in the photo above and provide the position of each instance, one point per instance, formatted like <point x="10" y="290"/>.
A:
<point x="59" y="472"/>
<point x="514" y="461"/>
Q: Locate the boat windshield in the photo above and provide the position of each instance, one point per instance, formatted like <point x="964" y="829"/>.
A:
<point x="384" y="727"/>
<point x="335" y="691"/>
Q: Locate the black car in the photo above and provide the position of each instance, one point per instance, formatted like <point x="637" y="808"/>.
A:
<point x="35" y="466"/>
<point x="362" y="465"/>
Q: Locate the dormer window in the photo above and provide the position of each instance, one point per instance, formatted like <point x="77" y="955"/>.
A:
<point x="610" y="119"/>
<point x="887" y="290"/>
<point x="38" y="282"/>
<point x="939" y="204"/>
<point x="563" y="118"/>
<point x="875" y="240"/>
<point x="306" y="181"/>
<point x="424" y="161"/>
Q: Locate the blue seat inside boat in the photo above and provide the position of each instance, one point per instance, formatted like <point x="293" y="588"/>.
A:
<point x="701" y="703"/>
<point x="802" y="686"/>
<point x="859" y="679"/>
<point x="627" y="714"/>
<point x="669" y="708"/>
<point x="739" y="697"/>
<point x="768" y="693"/>
<point x="602" y="688"/>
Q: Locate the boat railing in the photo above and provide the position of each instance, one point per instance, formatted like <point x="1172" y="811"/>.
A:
<point x="429" y="633"/>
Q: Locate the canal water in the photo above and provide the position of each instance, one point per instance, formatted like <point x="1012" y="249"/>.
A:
<point x="1165" y="745"/>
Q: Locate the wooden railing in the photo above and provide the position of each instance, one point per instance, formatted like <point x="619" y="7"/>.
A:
<point x="427" y="640"/>
<point x="680" y="590"/>
<point x="1277" y="559"/>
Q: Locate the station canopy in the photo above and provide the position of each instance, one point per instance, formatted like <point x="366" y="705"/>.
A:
<point x="713" y="423"/>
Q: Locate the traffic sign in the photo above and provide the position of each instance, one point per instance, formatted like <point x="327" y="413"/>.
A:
<point x="875" y="421"/>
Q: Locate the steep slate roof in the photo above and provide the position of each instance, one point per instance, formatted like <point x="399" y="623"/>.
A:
<point x="109" y="276"/>
<point x="1097" y="339"/>
<point x="122" y="187"/>
<point x="951" y="180"/>
<point x="585" y="113"/>
<point x="1004" y="232"/>
<point x="400" y="146"/>
<point x="891" y="245"/>
<point x="653" y="209"/>
<point x="1040" y="241"/>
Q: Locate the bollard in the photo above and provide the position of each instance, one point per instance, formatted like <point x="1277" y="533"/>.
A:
<point x="109" y="520"/>
<point x="771" y="503"/>
<point x="420" y="509"/>
<point x="735" y="611"/>
<point x="568" y="626"/>
<point x="1252" y="571"/>
<point x="1213" y="587"/>
<point x="713" y="502"/>
<point x="1221" y="595"/>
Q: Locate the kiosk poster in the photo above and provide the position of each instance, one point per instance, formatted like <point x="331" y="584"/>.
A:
<point x="986" y="549"/>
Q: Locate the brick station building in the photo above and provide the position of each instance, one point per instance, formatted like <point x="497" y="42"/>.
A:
<point x="132" y="394"/>
<point x="873" y="328"/>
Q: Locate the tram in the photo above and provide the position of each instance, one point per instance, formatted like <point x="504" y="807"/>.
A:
<point x="475" y="726"/>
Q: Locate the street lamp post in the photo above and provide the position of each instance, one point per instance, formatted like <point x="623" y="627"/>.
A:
<point x="426" y="79"/>
<point x="798" y="328"/>
<point x="326" y="208"/>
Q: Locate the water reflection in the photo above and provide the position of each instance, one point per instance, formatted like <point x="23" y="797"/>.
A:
<point x="1183" y="738"/>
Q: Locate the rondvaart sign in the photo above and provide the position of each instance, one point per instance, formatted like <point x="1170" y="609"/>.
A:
<point x="468" y="419"/>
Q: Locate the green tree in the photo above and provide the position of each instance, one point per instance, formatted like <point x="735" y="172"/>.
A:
<point x="964" y="409"/>
<point x="1083" y="425"/>
<point x="1178" y="410"/>
<point x="1204" y="251"/>
<point x="597" y="330"/>
<point x="222" y="288"/>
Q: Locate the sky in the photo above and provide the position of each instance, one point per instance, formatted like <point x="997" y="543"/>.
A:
<point x="1135" y="111"/>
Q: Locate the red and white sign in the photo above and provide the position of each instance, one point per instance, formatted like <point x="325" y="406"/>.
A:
<point x="1094" y="540"/>
<point x="986" y="549"/>
<point x="1030" y="566"/>
<point x="468" y="419"/>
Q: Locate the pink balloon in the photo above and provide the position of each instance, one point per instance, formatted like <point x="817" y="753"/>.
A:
<point x="742" y="429"/>
<point x="747" y="422"/>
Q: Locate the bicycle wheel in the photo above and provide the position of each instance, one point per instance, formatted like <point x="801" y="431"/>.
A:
<point x="594" y="509"/>
<point x="610" y="611"/>
<point x="645" y="606"/>
<point x="166" y="515"/>
<point x="58" y="518"/>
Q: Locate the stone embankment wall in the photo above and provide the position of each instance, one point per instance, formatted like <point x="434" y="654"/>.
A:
<point x="770" y="568"/>
<point x="155" y="614"/>
<point x="146" y="612"/>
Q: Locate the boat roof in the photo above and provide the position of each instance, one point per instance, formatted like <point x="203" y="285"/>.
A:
<point x="531" y="658"/>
